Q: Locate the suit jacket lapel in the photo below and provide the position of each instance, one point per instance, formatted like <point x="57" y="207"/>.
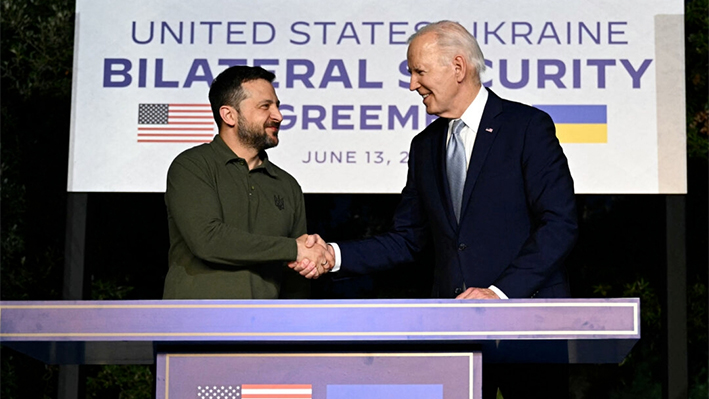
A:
<point x="487" y="131"/>
<point x="438" y="149"/>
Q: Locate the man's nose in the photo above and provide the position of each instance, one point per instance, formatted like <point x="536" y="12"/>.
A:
<point x="276" y="115"/>
<point x="413" y="83"/>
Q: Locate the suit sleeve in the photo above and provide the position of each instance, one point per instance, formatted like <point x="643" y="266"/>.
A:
<point x="550" y="198"/>
<point x="407" y="237"/>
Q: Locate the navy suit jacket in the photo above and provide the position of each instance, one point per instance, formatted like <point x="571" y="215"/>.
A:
<point x="518" y="218"/>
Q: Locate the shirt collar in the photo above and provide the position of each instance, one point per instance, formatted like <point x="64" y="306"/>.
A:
<point x="225" y="155"/>
<point x="474" y="113"/>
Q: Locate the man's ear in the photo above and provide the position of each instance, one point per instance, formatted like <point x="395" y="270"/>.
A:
<point x="461" y="68"/>
<point x="229" y="115"/>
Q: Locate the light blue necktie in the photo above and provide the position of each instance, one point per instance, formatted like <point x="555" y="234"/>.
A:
<point x="456" y="166"/>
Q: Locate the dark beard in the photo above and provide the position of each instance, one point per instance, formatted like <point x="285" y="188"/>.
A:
<point x="255" y="136"/>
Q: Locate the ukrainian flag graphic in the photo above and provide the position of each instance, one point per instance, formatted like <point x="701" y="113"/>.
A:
<point x="579" y="123"/>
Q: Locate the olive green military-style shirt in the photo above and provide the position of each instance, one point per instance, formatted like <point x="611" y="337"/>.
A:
<point x="232" y="230"/>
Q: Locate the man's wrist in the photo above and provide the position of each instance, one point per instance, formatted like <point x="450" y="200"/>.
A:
<point x="498" y="292"/>
<point x="338" y="258"/>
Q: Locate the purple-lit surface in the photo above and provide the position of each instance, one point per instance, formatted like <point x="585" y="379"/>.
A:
<point x="331" y="320"/>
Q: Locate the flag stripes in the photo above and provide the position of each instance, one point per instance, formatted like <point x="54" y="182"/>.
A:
<point x="579" y="123"/>
<point x="175" y="123"/>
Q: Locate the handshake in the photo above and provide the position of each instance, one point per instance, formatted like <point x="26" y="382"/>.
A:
<point x="315" y="256"/>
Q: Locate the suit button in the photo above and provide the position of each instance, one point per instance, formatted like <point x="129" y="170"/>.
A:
<point x="462" y="247"/>
<point x="457" y="291"/>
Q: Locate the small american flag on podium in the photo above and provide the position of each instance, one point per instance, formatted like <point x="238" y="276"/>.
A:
<point x="175" y="123"/>
<point x="256" y="391"/>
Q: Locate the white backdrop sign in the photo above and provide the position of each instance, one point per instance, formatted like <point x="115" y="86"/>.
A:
<point x="609" y="73"/>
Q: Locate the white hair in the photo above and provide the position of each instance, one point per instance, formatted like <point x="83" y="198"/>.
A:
<point x="453" y="39"/>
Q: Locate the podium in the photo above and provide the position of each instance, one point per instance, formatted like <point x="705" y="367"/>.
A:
<point x="334" y="349"/>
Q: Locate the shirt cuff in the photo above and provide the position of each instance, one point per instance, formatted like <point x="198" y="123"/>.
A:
<point x="496" y="291"/>
<point x="338" y="258"/>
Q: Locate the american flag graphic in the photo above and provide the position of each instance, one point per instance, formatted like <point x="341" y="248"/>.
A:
<point x="255" y="391"/>
<point x="175" y="123"/>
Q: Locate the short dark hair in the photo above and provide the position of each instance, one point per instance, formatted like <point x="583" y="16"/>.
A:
<point x="226" y="88"/>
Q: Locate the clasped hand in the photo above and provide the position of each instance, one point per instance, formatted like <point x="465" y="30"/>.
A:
<point x="315" y="257"/>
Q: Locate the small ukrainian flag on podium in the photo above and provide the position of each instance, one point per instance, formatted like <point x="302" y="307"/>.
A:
<point x="579" y="123"/>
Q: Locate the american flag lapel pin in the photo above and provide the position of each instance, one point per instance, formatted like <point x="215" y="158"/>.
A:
<point x="489" y="130"/>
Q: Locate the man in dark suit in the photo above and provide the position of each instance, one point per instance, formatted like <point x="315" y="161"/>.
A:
<point x="505" y="230"/>
<point x="488" y="185"/>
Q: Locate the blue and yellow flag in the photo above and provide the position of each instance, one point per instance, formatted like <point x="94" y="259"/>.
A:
<point x="579" y="123"/>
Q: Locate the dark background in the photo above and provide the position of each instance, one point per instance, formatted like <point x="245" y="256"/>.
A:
<point x="621" y="249"/>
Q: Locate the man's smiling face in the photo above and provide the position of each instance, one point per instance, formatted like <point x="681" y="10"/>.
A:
<point x="432" y="76"/>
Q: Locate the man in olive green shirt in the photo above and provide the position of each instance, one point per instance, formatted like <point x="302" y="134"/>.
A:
<point x="236" y="219"/>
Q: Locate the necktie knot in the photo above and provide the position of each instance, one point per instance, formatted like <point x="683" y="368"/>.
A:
<point x="457" y="127"/>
